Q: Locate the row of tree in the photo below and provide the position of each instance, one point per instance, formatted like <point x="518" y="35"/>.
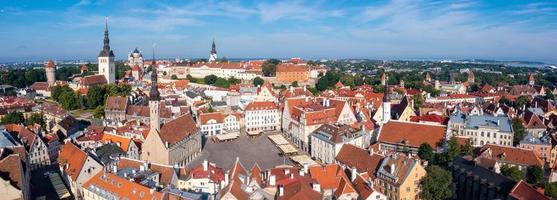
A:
<point x="19" y="118"/>
<point x="95" y="98"/>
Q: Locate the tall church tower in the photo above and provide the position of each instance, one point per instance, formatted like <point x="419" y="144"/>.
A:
<point x="154" y="100"/>
<point x="50" y="69"/>
<point x="213" y="55"/>
<point x="106" y="59"/>
<point x="386" y="105"/>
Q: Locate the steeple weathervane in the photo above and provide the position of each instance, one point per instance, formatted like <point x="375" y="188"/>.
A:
<point x="106" y="52"/>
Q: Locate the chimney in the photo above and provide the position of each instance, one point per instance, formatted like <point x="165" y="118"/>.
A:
<point x="316" y="187"/>
<point x="205" y="165"/>
<point x="306" y="168"/>
<point x="226" y="178"/>
<point x="354" y="174"/>
<point x="281" y="190"/>
<point x="291" y="89"/>
<point x="114" y="169"/>
<point x="286" y="171"/>
<point x="272" y="180"/>
<point x="370" y="183"/>
<point x="304" y="88"/>
<point x="291" y="175"/>
<point x="392" y="168"/>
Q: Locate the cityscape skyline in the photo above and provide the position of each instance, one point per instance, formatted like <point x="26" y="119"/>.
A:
<point x="378" y="30"/>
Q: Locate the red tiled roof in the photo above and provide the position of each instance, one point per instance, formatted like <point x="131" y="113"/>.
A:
<point x="523" y="191"/>
<point x="178" y="129"/>
<point x="40" y="86"/>
<point x="261" y="105"/>
<point x="411" y="134"/>
<point x="166" y="172"/>
<point x="511" y="155"/>
<point x="288" y="67"/>
<point x="116" y="103"/>
<point x="93" y="80"/>
<point x="11" y="170"/>
<point x="213" y="173"/>
<point x="50" y="64"/>
<point x="121" y="187"/>
<point x="353" y="156"/>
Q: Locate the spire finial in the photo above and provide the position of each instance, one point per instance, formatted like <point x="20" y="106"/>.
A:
<point x="106" y="23"/>
<point x="154" y="45"/>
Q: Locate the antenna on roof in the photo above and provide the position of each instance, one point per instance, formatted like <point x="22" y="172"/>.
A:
<point x="154" y="45"/>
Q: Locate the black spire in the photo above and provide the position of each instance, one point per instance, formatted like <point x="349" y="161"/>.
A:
<point x="386" y="97"/>
<point x="214" y="47"/>
<point x="154" y="94"/>
<point x="106" y="52"/>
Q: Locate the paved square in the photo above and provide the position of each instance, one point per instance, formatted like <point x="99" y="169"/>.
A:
<point x="250" y="150"/>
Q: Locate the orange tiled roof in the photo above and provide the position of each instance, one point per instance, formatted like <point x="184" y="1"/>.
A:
<point x="121" y="187"/>
<point x="116" y="103"/>
<point x="122" y="141"/>
<point x="73" y="157"/>
<point x="217" y="116"/>
<point x="288" y="67"/>
<point x="327" y="176"/>
<point x="411" y="134"/>
<point x="93" y="80"/>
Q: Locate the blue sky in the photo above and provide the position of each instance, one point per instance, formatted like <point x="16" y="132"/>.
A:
<point x="391" y="29"/>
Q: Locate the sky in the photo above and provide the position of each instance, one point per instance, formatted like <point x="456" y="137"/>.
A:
<point x="317" y="29"/>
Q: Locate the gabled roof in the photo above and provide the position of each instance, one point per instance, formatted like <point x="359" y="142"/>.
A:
<point x="353" y="156"/>
<point x="261" y="105"/>
<point x="411" y="134"/>
<point x="213" y="173"/>
<point x="362" y="187"/>
<point x="235" y="189"/>
<point x="121" y="141"/>
<point x="178" y="129"/>
<point x="93" y="80"/>
<point x="120" y="187"/>
<point x="11" y="169"/>
<point x="329" y="176"/>
<point x="288" y="67"/>
<point x="115" y="103"/>
<point x="345" y="186"/>
<point x="510" y="155"/>
<point x="402" y="167"/>
<point x="524" y="191"/>
<point x="205" y="117"/>
<point x="166" y="172"/>
<point x="73" y="157"/>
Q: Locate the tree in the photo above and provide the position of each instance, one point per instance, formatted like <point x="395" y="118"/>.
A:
<point x="512" y="172"/>
<point x="36" y="118"/>
<point x="551" y="189"/>
<point x="295" y="84"/>
<point x="69" y="101"/>
<point x="521" y="101"/>
<point x="174" y="77"/>
<point x="269" y="67"/>
<point x="210" y="79"/>
<point x="221" y="82"/>
<point x="95" y="96"/>
<point x="467" y="148"/>
<point x="425" y="152"/>
<point x="98" y="112"/>
<point x="436" y="184"/>
<point x="453" y="148"/>
<point x="534" y="174"/>
<point x="549" y="95"/>
<point x="518" y="130"/>
<point x="257" y="81"/>
<point x="418" y="100"/>
<point x="13" y="118"/>
<point x="232" y="80"/>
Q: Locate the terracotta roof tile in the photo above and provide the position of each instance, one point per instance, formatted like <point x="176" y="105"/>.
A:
<point x="510" y="154"/>
<point x="217" y="116"/>
<point x="412" y="134"/>
<point x="93" y="80"/>
<point x="123" y="142"/>
<point x="11" y="169"/>
<point x="73" y="157"/>
<point x="116" y="103"/>
<point x="523" y="191"/>
<point x="353" y="156"/>
<point x="288" y="67"/>
<point x="178" y="129"/>
<point x="121" y="187"/>
<point x="261" y="105"/>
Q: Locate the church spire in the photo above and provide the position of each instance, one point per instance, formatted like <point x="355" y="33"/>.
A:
<point x="106" y="52"/>
<point x="386" y="97"/>
<point x="154" y="94"/>
<point x="214" y="47"/>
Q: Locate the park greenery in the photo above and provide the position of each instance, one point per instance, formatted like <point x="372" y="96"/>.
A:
<point x="96" y="95"/>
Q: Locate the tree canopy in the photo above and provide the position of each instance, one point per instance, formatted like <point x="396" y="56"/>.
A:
<point x="13" y="118"/>
<point x="436" y="184"/>
<point x="257" y="81"/>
